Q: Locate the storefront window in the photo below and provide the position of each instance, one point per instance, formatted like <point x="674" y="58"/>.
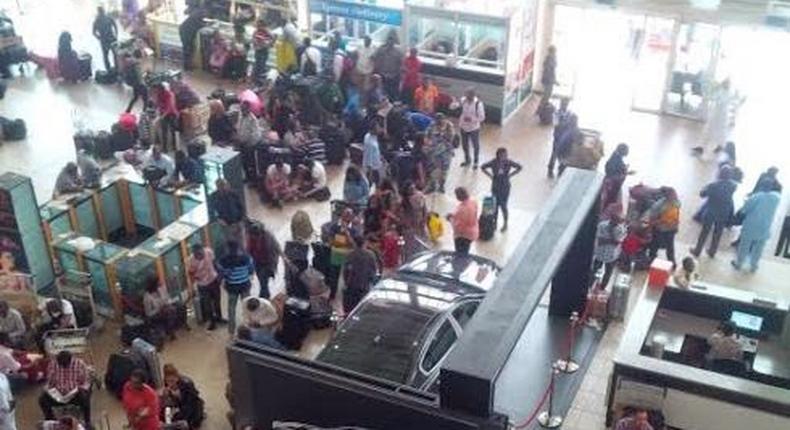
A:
<point x="433" y="37"/>
<point x="481" y="44"/>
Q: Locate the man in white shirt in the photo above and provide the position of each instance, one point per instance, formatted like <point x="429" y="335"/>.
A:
<point x="7" y="405"/>
<point x="311" y="59"/>
<point x="473" y="113"/>
<point x="162" y="161"/>
<point x="371" y="156"/>
<point x="248" y="134"/>
<point x="365" y="65"/>
<point x="259" y="314"/>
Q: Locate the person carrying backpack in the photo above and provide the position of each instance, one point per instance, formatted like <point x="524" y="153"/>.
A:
<point x="664" y="216"/>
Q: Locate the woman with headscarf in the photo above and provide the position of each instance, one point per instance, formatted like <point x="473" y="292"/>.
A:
<point x="68" y="60"/>
<point x="220" y="127"/>
<point x="182" y="397"/>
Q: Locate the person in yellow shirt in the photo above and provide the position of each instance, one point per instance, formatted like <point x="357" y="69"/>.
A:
<point x="426" y="97"/>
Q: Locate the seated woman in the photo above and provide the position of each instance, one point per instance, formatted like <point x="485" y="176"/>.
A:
<point x="31" y="367"/>
<point x="68" y="60"/>
<point x="277" y="183"/>
<point x="180" y="394"/>
<point x="356" y="189"/>
<point x="220" y="127"/>
<point x="159" y="312"/>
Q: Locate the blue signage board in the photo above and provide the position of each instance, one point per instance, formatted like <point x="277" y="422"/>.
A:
<point x="364" y="12"/>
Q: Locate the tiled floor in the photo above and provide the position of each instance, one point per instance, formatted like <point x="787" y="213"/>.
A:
<point x="660" y="148"/>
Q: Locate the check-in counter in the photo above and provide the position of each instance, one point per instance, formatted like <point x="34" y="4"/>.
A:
<point x="662" y="362"/>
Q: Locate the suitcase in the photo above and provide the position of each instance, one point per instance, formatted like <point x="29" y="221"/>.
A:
<point x="320" y="312"/>
<point x="103" y="145"/>
<point x="546" y="113"/>
<point x="334" y="143"/>
<point x="487" y="225"/>
<point x="15" y="129"/>
<point x="120" y="366"/>
<point x="488" y="219"/>
<point x="104" y="77"/>
<point x="618" y="302"/>
<point x="295" y="324"/>
<point x="85" y="66"/>
<point x="149" y="353"/>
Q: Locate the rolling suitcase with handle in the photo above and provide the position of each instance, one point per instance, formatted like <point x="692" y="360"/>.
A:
<point x="151" y="356"/>
<point x="488" y="218"/>
<point x="618" y="301"/>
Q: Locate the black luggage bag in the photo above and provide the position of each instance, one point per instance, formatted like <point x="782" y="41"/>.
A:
<point x="85" y="66"/>
<point x="14" y="129"/>
<point x="546" y="113"/>
<point x="120" y="366"/>
<point x="103" y="145"/>
<point x="488" y="218"/>
<point x="295" y="324"/>
<point x="105" y="77"/>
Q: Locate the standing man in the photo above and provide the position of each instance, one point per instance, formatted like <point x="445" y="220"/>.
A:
<point x="784" y="238"/>
<point x="717" y="211"/>
<point x="248" y="134"/>
<point x="371" y="156"/>
<point x="759" y="212"/>
<point x="560" y="124"/>
<point x="133" y="76"/>
<point x="227" y="206"/>
<point x="7" y="405"/>
<point x="616" y="171"/>
<point x="411" y="77"/>
<point x="365" y="67"/>
<point x="262" y="41"/>
<point x="266" y="252"/>
<point x="473" y="113"/>
<point x="236" y="268"/>
<point x="200" y="267"/>
<point x="387" y="62"/>
<point x="105" y="29"/>
<point x="361" y="269"/>
<point x="464" y="220"/>
<point x="549" y="77"/>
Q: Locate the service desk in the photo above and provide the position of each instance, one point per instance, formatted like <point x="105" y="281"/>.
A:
<point x="658" y="364"/>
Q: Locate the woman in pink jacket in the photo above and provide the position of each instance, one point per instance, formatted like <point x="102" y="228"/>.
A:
<point x="464" y="221"/>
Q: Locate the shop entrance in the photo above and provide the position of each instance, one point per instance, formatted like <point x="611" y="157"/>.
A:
<point x="612" y="62"/>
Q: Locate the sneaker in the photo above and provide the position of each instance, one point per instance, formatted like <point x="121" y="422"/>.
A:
<point x="475" y="166"/>
<point x="550" y="174"/>
<point x="694" y="252"/>
<point x="211" y="326"/>
<point x="735" y="265"/>
<point x="504" y="228"/>
<point x="465" y="164"/>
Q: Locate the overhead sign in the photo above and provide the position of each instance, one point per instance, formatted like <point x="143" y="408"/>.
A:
<point x="364" y="12"/>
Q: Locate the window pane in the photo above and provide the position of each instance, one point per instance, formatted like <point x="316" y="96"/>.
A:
<point x="481" y="44"/>
<point x="445" y="338"/>
<point x="465" y="312"/>
<point x="434" y="37"/>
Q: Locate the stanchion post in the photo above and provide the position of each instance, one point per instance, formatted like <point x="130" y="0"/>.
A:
<point x="547" y="419"/>
<point x="566" y="364"/>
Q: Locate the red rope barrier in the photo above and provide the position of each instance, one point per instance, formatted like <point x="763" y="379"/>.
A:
<point x="536" y="412"/>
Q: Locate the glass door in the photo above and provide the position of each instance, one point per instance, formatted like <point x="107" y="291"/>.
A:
<point x="652" y="48"/>
<point x="693" y="70"/>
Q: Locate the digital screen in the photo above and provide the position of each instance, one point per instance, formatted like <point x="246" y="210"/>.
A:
<point x="746" y="321"/>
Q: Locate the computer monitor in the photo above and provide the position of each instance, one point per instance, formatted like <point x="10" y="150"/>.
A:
<point x="748" y="324"/>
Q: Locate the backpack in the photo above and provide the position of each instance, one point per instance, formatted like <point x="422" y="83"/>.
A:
<point x="669" y="217"/>
<point x="14" y="129"/>
<point x="435" y="226"/>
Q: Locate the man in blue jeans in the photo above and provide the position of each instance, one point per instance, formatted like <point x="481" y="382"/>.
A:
<point x="236" y="268"/>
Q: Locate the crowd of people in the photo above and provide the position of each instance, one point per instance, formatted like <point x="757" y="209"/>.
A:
<point x="399" y="131"/>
